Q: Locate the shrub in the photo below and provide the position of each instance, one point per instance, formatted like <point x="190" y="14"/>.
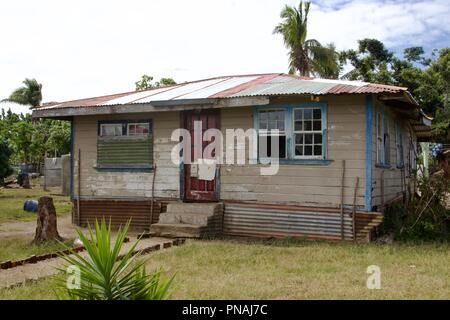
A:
<point x="5" y="154"/>
<point x="106" y="275"/>
<point x="426" y="216"/>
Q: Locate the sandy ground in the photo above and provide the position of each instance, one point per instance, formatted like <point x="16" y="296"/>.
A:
<point x="29" y="272"/>
<point x="26" y="229"/>
<point x="32" y="272"/>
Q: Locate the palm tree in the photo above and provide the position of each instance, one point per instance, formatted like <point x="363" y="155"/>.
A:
<point x="308" y="57"/>
<point x="29" y="94"/>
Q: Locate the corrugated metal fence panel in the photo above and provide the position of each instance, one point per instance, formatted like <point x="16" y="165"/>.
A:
<point x="265" y="222"/>
<point x="119" y="211"/>
<point x="124" y="150"/>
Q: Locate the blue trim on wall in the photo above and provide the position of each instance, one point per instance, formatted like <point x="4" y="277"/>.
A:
<point x="123" y="169"/>
<point x="289" y="113"/>
<point x="72" y="155"/>
<point x="369" y="136"/>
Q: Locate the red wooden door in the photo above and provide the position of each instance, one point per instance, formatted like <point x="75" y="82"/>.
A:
<point x="196" y="189"/>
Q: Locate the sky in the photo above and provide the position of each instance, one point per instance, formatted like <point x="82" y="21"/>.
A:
<point x="82" y="48"/>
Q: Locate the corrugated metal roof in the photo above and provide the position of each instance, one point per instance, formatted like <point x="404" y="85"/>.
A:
<point x="236" y="86"/>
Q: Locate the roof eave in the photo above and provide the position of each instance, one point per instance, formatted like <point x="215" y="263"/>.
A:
<point x="154" y="106"/>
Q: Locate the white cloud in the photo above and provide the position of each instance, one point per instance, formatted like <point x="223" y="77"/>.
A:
<point x="14" y="107"/>
<point x="87" y="48"/>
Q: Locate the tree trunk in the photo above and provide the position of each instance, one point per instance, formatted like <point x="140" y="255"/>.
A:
<point x="46" y="228"/>
<point x="26" y="182"/>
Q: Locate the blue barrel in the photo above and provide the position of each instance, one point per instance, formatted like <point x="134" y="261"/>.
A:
<point x="30" y="205"/>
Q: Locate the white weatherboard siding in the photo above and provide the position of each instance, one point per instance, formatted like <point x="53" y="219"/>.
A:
<point x="392" y="175"/>
<point x="100" y="184"/>
<point x="310" y="185"/>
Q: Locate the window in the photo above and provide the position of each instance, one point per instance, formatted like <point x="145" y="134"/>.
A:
<point x="308" y="132"/>
<point x="125" y="145"/>
<point x="383" y="140"/>
<point x="272" y="120"/>
<point x="138" y="129"/>
<point x="399" y="145"/>
<point x="111" y="129"/>
<point x="301" y="131"/>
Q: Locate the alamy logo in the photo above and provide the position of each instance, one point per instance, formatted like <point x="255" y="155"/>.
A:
<point x="374" y="278"/>
<point x="73" y="277"/>
<point x="238" y="147"/>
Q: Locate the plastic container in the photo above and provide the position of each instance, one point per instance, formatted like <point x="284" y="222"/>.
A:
<point x="30" y="206"/>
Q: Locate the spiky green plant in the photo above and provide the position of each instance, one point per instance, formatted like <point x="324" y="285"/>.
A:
<point x="105" y="274"/>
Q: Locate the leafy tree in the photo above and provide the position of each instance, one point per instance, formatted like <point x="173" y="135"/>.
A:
<point x="29" y="94"/>
<point x="165" y="82"/>
<point x="5" y="168"/>
<point x="146" y="82"/>
<point x="370" y="62"/>
<point x="59" y="137"/>
<point x="308" y="57"/>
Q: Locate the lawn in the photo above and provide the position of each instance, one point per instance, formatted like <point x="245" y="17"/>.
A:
<point x="12" y="200"/>
<point x="15" y="249"/>
<point x="226" y="269"/>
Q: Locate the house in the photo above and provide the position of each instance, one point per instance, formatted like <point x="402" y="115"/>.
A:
<point x="318" y="158"/>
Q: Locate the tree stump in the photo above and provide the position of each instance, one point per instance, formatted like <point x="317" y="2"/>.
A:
<point x="46" y="228"/>
<point x="26" y="182"/>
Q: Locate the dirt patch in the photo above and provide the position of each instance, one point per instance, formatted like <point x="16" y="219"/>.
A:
<point x="26" y="229"/>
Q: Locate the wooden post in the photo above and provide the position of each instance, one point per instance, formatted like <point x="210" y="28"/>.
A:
<point x="45" y="172"/>
<point x="153" y="195"/>
<point x="382" y="189"/>
<point x="342" y="199"/>
<point x="354" y="208"/>
<point x="79" y="187"/>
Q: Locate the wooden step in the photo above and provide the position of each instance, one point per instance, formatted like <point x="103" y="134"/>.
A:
<point x="198" y="208"/>
<point x="200" y="219"/>
<point x="177" y="230"/>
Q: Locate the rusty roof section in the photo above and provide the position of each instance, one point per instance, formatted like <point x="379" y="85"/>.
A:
<point x="273" y="84"/>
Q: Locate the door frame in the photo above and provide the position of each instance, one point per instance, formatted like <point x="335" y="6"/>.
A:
<point x="216" y="198"/>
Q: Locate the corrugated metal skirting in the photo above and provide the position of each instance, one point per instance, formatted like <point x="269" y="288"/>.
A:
<point x="244" y="220"/>
<point x="119" y="211"/>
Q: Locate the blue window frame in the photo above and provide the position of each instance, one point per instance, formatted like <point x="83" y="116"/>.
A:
<point x="302" y="131"/>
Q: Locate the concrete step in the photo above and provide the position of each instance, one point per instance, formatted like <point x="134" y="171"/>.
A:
<point x="176" y="230"/>
<point x="199" y="219"/>
<point x="199" y="208"/>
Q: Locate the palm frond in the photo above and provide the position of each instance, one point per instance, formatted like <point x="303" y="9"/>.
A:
<point x="107" y="276"/>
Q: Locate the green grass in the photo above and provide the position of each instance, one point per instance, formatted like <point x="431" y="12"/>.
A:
<point x="12" y="200"/>
<point x="15" y="249"/>
<point x="291" y="270"/>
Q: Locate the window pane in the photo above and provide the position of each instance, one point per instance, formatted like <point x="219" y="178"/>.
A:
<point x="298" y="150"/>
<point x="317" y="126"/>
<point x="299" y="138"/>
<point x="138" y="129"/>
<point x="263" y="115"/>
<point x="307" y="126"/>
<point x="272" y="124"/>
<point x="263" y="125"/>
<point x="317" y="150"/>
<point x="142" y="128"/>
<point x="308" y="151"/>
<point x="298" y="126"/>
<point x="318" y="138"/>
<point x="307" y="114"/>
<point x="265" y="146"/>
<point x="111" y="130"/>
<point x="308" y="138"/>
<point x="317" y="114"/>
<point x="298" y="114"/>
<point x="280" y="125"/>
<point x="278" y="115"/>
